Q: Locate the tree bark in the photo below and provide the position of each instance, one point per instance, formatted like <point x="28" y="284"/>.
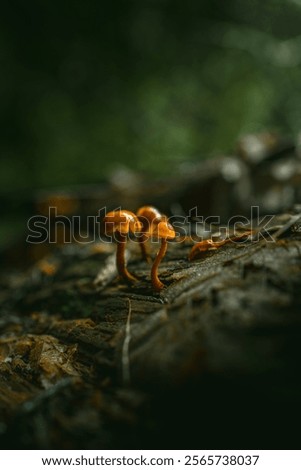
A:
<point x="90" y="362"/>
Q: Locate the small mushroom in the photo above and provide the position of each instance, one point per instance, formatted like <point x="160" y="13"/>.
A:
<point x="163" y="231"/>
<point x="118" y="224"/>
<point x="149" y="216"/>
<point x="203" y="246"/>
<point x="208" y="245"/>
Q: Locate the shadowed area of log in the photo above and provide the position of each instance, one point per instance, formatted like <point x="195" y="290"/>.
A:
<point x="90" y="362"/>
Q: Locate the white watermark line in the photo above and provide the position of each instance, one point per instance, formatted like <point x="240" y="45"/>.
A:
<point x="56" y="228"/>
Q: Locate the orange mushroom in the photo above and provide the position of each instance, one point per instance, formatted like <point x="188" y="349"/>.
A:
<point x="205" y="245"/>
<point x="208" y="245"/>
<point x="163" y="231"/>
<point x="118" y="224"/>
<point x="149" y="216"/>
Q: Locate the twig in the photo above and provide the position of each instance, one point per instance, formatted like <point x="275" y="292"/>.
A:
<point x="125" y="348"/>
<point x="294" y="219"/>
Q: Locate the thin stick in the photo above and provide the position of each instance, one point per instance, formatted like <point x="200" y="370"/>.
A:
<point x="284" y="228"/>
<point x="125" y="358"/>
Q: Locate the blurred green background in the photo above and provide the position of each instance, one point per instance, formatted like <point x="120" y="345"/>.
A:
<point x="87" y="86"/>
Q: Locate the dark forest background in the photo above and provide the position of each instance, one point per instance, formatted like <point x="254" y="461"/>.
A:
<point x="87" y="87"/>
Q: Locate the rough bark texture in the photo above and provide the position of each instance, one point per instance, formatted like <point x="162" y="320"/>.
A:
<point x="88" y="362"/>
<point x="213" y="361"/>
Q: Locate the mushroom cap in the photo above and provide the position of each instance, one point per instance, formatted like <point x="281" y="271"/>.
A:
<point x="164" y="230"/>
<point x="121" y="221"/>
<point x="149" y="216"/>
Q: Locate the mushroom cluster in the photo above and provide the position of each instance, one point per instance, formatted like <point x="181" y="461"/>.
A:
<point x="147" y="223"/>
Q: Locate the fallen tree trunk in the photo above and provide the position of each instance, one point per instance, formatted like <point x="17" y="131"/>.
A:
<point x="89" y="362"/>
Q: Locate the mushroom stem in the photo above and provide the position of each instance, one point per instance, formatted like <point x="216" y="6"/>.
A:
<point x="157" y="284"/>
<point x="120" y="258"/>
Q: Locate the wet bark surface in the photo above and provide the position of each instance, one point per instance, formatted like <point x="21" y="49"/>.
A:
<point x="212" y="361"/>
